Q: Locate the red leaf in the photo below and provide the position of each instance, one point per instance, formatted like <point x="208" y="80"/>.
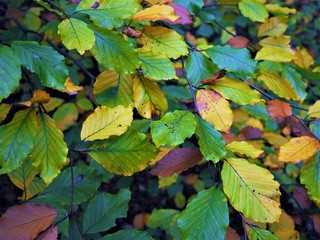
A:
<point x="277" y="109"/>
<point x="26" y="221"/>
<point x="302" y="197"/>
<point x="131" y="32"/>
<point x="238" y="42"/>
<point x="232" y="234"/>
<point x="182" y="12"/>
<point x="177" y="161"/>
<point x="251" y="133"/>
<point x="49" y="234"/>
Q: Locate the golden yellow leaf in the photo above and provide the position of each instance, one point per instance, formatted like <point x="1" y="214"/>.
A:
<point x="314" y="110"/>
<point x="284" y="229"/>
<point x="276" y="8"/>
<point x="71" y="89"/>
<point x="244" y="148"/>
<point x="214" y="109"/>
<point x="153" y="2"/>
<point x="156" y="13"/>
<point x="255" y="123"/>
<point x="40" y="96"/>
<point x="298" y="149"/>
<point x="303" y="58"/>
<point x="105" y="122"/>
<point x="273" y="26"/>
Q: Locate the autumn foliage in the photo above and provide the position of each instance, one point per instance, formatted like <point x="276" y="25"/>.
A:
<point x="159" y="119"/>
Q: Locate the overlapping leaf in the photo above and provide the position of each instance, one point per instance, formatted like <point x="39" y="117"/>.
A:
<point x="126" y="155"/>
<point x="273" y="26"/>
<point x="105" y="122"/>
<point x="244" y="148"/>
<point x="276" y="8"/>
<point x="256" y="233"/>
<point x="277" y="109"/>
<point x="4" y="110"/>
<point x="17" y="140"/>
<point x="247" y="184"/>
<point x="303" y="58"/>
<point x="161" y="218"/>
<point x="66" y="116"/>
<point x="314" y="110"/>
<point x="285" y="228"/>
<point x="254" y="10"/>
<point x="155" y="13"/>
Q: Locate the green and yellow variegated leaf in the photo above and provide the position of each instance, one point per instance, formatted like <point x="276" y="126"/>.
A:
<point x="112" y="89"/>
<point x="165" y="182"/>
<point x="273" y="26"/>
<point x="254" y="10"/>
<point x="106" y="122"/>
<point x="276" y="8"/>
<point x="17" y="138"/>
<point x="278" y="85"/>
<point x="173" y="128"/>
<point x="36" y="186"/>
<point x="236" y="91"/>
<point x="314" y="110"/>
<point x="210" y="141"/>
<point x="157" y="67"/>
<point x="113" y="52"/>
<point x="4" y="110"/>
<point x="126" y="155"/>
<point x="75" y="34"/>
<point x="244" y="148"/>
<point x="205" y="216"/>
<point x="50" y="150"/>
<point x="10" y="74"/>
<point x="251" y="190"/>
<point x="23" y="176"/>
<point x="161" y="218"/>
<point x="256" y="233"/>
<point x="66" y="116"/>
<point x="148" y="98"/>
<point x="161" y="40"/>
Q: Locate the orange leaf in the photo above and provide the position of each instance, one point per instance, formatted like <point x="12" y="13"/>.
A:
<point x="71" y="89"/>
<point x="26" y="221"/>
<point x="40" y="96"/>
<point x="277" y="109"/>
<point x="177" y="161"/>
<point x="238" y="42"/>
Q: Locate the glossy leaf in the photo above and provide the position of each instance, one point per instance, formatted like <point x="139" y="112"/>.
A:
<point x="205" y="216"/>
<point x="148" y="98"/>
<point x="104" y="209"/>
<point x="238" y="92"/>
<point x="254" y="10"/>
<point x="210" y="141"/>
<point x="278" y="109"/>
<point x="112" y="89"/>
<point x="298" y="149"/>
<point x="106" y="122"/>
<point x="26" y="221"/>
<point x="156" y="13"/>
<point x="126" y="155"/>
<point x="273" y="26"/>
<point x="161" y="40"/>
<point x="314" y="110"/>
<point x="244" y="148"/>
<point x="128" y="234"/>
<point x="18" y="141"/>
<point x="113" y="52"/>
<point x="173" y="128"/>
<point x="10" y="71"/>
<point x="214" y="109"/>
<point x="50" y="150"/>
<point x="37" y="58"/>
<point x="247" y="184"/>
<point x="75" y="34"/>
<point x="233" y="59"/>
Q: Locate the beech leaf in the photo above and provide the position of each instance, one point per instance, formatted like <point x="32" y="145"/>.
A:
<point x="254" y="10"/>
<point x="156" y="13"/>
<point x="273" y="26"/>
<point x="278" y="108"/>
<point x="314" y="110"/>
<point x="244" y="148"/>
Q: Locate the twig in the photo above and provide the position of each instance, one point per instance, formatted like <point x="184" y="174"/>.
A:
<point x="79" y="150"/>
<point x="305" y="126"/>
<point x="223" y="27"/>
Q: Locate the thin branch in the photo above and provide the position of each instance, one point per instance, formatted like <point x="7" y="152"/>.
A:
<point x="53" y="5"/>
<point x="79" y="150"/>
<point x="223" y="27"/>
<point x="305" y="126"/>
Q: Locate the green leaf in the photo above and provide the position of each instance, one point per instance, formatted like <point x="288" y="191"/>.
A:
<point x="238" y="92"/>
<point x="4" y="110"/>
<point x="126" y="155"/>
<point x="233" y="59"/>
<point x="16" y="141"/>
<point x="66" y="116"/>
<point x="254" y="10"/>
<point x="210" y="141"/>
<point x="193" y="6"/>
<point x="50" y="151"/>
<point x="310" y="177"/>
<point x="173" y="128"/>
<point x="36" y="186"/>
<point x="205" y="216"/>
<point x="244" y="147"/>
<point x="295" y="80"/>
<point x="75" y="34"/>
<point x="161" y="40"/>
<point x="199" y="67"/>
<point x="112" y="89"/>
<point x="131" y="234"/>
<point x="10" y="73"/>
<point x="58" y="193"/>
<point x="37" y="58"/>
<point x="113" y="52"/>
<point x="110" y="13"/>
<point x="247" y="184"/>
<point x="156" y="67"/>
<point x="256" y="233"/>
<point x="104" y="209"/>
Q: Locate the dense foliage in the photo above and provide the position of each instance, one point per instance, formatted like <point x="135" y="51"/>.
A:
<point x="159" y="119"/>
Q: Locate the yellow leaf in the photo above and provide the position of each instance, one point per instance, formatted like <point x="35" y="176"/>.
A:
<point x="273" y="26"/>
<point x="153" y="2"/>
<point x="251" y="190"/>
<point x="148" y="98"/>
<point x="276" y="8"/>
<point x="156" y="13"/>
<point x="163" y="152"/>
<point x="303" y="58"/>
<point x="106" y="122"/>
<point x="244" y="148"/>
<point x="40" y="96"/>
<point x="274" y="139"/>
<point x="314" y="110"/>
<point x="278" y="85"/>
<point x="214" y="109"/>
<point x="165" y="182"/>
<point x="71" y="89"/>
<point x="284" y="229"/>
<point x="298" y="149"/>
<point x="255" y="123"/>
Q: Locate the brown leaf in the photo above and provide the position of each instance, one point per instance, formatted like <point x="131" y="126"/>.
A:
<point x="302" y="197"/>
<point x="277" y="109"/>
<point x="296" y="127"/>
<point x="26" y="221"/>
<point x="232" y="234"/>
<point x="49" y="234"/>
<point x="316" y="222"/>
<point x="139" y="221"/>
<point x="177" y="161"/>
<point x="130" y="32"/>
<point x="251" y="133"/>
<point x="238" y="42"/>
<point x="230" y="137"/>
<point x="217" y="75"/>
